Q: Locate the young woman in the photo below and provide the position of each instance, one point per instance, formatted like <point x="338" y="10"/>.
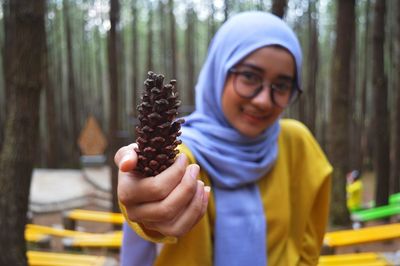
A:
<point x="269" y="179"/>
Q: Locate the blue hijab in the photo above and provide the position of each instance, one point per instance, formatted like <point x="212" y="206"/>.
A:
<point x="233" y="161"/>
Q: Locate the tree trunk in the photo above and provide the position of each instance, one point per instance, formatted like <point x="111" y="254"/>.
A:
<point x="174" y="63"/>
<point x="312" y="69"/>
<point x="190" y="54"/>
<point x="150" y="66"/>
<point x="279" y="7"/>
<point x="211" y="23"/>
<point x="51" y="128"/>
<point x="71" y="86"/>
<point x="227" y="9"/>
<point x="340" y="107"/>
<point x="7" y="49"/>
<point x="396" y="163"/>
<point x="364" y="119"/>
<point x="21" y="133"/>
<point x="162" y="34"/>
<point x="381" y="115"/>
<point x="135" y="58"/>
<point x="113" y="96"/>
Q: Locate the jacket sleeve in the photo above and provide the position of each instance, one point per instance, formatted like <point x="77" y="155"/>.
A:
<point x="316" y="226"/>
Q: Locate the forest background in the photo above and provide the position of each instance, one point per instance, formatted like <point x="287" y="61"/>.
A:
<point x="64" y="60"/>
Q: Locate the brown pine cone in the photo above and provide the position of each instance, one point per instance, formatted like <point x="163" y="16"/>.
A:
<point x="157" y="132"/>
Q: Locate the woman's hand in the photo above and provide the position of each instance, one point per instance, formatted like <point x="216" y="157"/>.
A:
<point x="170" y="203"/>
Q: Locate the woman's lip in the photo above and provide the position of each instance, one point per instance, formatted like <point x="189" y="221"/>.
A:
<point x="254" y="118"/>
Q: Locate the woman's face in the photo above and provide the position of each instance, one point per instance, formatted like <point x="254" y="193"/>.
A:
<point x="251" y="117"/>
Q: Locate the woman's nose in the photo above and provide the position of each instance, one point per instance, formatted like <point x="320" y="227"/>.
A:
<point x="263" y="100"/>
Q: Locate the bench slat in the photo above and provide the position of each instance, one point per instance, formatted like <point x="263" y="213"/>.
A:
<point x="53" y="231"/>
<point x="111" y="240"/>
<point x="358" y="259"/>
<point x="362" y="235"/>
<point x="36" y="258"/>
<point x="95" y="216"/>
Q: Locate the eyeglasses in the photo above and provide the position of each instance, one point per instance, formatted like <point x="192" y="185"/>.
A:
<point x="248" y="84"/>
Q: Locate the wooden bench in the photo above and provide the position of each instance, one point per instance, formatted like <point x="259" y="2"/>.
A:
<point x="365" y="235"/>
<point x="108" y="241"/>
<point x="70" y="217"/>
<point x="40" y="258"/>
<point x="357" y="259"/>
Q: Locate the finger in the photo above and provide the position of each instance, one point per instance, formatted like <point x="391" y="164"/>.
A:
<point x="127" y="182"/>
<point x="160" y="186"/>
<point x="171" y="206"/>
<point x="190" y="216"/>
<point x="126" y="158"/>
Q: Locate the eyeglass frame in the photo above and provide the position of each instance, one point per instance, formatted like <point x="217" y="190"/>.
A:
<point x="295" y="92"/>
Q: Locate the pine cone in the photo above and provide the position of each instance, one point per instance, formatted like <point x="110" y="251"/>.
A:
<point x="157" y="132"/>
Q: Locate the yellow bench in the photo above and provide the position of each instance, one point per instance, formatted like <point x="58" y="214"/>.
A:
<point x="357" y="259"/>
<point x="32" y="229"/>
<point x="39" y="258"/>
<point x="37" y="238"/>
<point x="362" y="235"/>
<point x="109" y="240"/>
<point x="70" y="217"/>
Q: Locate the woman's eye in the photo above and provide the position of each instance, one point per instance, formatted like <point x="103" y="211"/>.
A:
<point x="281" y="87"/>
<point x="250" y="77"/>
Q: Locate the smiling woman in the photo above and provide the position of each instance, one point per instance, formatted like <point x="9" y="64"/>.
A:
<point x="269" y="179"/>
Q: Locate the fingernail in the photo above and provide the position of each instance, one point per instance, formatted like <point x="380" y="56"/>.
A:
<point x="194" y="171"/>
<point x="125" y="158"/>
<point x="207" y="190"/>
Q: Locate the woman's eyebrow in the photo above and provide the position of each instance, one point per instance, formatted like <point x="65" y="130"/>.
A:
<point x="252" y="66"/>
<point x="261" y="70"/>
<point x="286" y="78"/>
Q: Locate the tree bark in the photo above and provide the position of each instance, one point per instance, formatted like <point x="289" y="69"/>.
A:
<point x="312" y="70"/>
<point x="21" y="132"/>
<point x="381" y="114"/>
<point x="340" y="107"/>
<point x="211" y="23"/>
<point x="150" y="66"/>
<point x="227" y="9"/>
<point x="279" y="7"/>
<point x="364" y="119"/>
<point x="190" y="54"/>
<point x="71" y="86"/>
<point x="174" y="62"/>
<point x="135" y="58"/>
<point x="396" y="163"/>
<point x="7" y="49"/>
<point x="113" y="96"/>
<point x="51" y="128"/>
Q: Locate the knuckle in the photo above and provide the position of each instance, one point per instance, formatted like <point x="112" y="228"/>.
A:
<point x="167" y="213"/>
<point x="177" y="231"/>
<point x="189" y="187"/>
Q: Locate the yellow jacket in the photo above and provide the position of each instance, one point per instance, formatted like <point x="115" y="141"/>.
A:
<point x="354" y="195"/>
<point x="295" y="194"/>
